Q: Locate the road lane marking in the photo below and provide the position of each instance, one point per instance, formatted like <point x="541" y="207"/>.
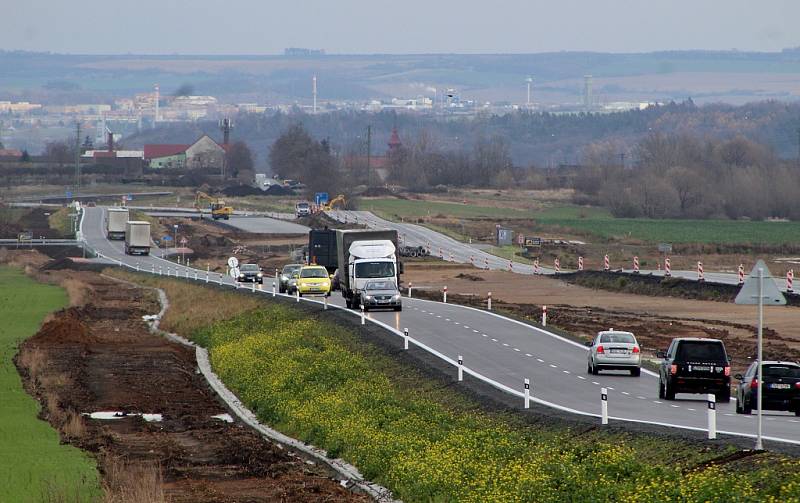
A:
<point x="494" y="340"/>
<point x="565" y="371"/>
<point x="465" y="326"/>
<point x="656" y="401"/>
<point x="540" y="360"/>
<point x="595" y="382"/>
<point x="582" y="378"/>
<point x="528" y="354"/>
<point x="516" y="349"/>
<point x="642" y="397"/>
<point x="505" y="344"/>
<point x="457" y="323"/>
<point x="688" y="408"/>
<point x="625" y="393"/>
<point x="554" y="366"/>
<point x="475" y="331"/>
<point x="676" y="406"/>
<point x="484" y="335"/>
<point x="447" y="319"/>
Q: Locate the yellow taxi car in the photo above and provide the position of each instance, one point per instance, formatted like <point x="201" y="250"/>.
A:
<point x="313" y="280"/>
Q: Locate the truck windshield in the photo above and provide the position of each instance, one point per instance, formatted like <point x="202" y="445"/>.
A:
<point x="374" y="270"/>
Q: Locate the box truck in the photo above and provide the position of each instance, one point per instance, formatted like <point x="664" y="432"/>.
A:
<point x="137" y="238"/>
<point x="363" y="256"/>
<point x="116" y="219"/>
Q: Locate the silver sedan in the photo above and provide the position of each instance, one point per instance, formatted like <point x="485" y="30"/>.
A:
<point x="614" y="350"/>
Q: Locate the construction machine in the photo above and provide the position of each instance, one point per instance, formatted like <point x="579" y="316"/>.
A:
<point x="339" y="201"/>
<point x="217" y="206"/>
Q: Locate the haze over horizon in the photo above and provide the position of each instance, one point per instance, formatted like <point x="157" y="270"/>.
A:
<point x="250" y="27"/>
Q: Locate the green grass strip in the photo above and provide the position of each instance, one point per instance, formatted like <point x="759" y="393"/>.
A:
<point x="34" y="466"/>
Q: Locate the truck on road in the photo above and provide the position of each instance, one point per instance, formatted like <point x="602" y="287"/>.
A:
<point x="364" y="256"/>
<point x="137" y="237"/>
<point x="116" y="221"/>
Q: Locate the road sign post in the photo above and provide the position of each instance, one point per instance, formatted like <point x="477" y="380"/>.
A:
<point x="755" y="291"/>
<point x="405" y="338"/>
<point x="527" y="393"/>
<point x="460" y="368"/>
<point x="712" y="416"/>
<point x="603" y="406"/>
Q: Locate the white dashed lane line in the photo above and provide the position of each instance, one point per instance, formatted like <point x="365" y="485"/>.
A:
<point x="505" y="344"/>
<point x="581" y="378"/>
<point x="675" y="406"/>
<point x="688" y="408"/>
<point x="656" y="401"/>
<point x="642" y="397"/>
<point x="494" y="340"/>
<point x="553" y="366"/>
<point x="475" y="331"/>
<point x="484" y="335"/>
<point x="565" y="371"/>
<point x="595" y="382"/>
<point x="516" y="349"/>
<point x="625" y="393"/>
<point x="529" y="355"/>
<point x="540" y="360"/>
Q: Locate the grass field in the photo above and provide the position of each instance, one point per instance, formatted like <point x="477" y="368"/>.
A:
<point x="34" y="466"/>
<point x="597" y="223"/>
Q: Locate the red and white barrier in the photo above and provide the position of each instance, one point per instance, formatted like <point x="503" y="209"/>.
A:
<point x="790" y="280"/>
<point x="557" y="265"/>
<point x="510" y="266"/>
<point x="741" y="274"/>
<point x="700" y="276"/>
<point x="580" y="263"/>
<point x="667" y="267"/>
<point x="451" y="256"/>
<point x="489" y="302"/>
<point x="536" y="266"/>
<point x="606" y="263"/>
<point x="441" y="254"/>
<point x="472" y="259"/>
<point x="486" y="263"/>
<point x="636" y="265"/>
<point x="544" y="316"/>
<point x="444" y="294"/>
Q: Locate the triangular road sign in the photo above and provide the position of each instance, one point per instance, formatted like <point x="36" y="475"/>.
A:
<point x="770" y="293"/>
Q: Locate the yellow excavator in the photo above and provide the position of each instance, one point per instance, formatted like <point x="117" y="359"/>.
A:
<point x="338" y="200"/>
<point x="217" y="206"/>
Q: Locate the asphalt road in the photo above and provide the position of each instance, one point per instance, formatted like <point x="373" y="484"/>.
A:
<point x="507" y="352"/>
<point x="451" y="250"/>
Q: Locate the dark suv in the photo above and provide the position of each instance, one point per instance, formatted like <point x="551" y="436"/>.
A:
<point x="779" y="391"/>
<point x="692" y="365"/>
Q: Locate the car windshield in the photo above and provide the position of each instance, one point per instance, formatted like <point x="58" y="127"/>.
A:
<point x="249" y="268"/>
<point x="374" y="270"/>
<point x="289" y="269"/>
<point x="302" y="205"/>
<point x="380" y="285"/>
<point x="316" y="272"/>
<point x="781" y="371"/>
<point x="625" y="338"/>
<point x="701" y="350"/>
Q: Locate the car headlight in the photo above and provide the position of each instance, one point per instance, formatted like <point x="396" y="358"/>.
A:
<point x="284" y="277"/>
<point x="260" y="275"/>
<point x="241" y="275"/>
<point x="369" y="297"/>
<point x="396" y="296"/>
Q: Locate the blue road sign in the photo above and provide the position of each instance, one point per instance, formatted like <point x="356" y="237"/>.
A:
<point x="166" y="238"/>
<point x="69" y="195"/>
<point x="320" y="198"/>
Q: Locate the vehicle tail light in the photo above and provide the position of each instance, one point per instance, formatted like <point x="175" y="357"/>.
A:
<point x="797" y="385"/>
<point x="635" y="349"/>
<point x="673" y="369"/>
<point x="727" y="371"/>
<point x="754" y="383"/>
<point x="600" y="349"/>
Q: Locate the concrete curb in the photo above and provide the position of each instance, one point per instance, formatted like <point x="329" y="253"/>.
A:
<point x="352" y="478"/>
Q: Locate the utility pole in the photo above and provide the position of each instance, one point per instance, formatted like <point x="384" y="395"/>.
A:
<point x="622" y="159"/>
<point x="77" y="156"/>
<point x="369" y="155"/>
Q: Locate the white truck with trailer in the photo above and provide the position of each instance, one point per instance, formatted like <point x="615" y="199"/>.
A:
<point x="116" y="220"/>
<point x="137" y="237"/>
<point x="363" y="256"/>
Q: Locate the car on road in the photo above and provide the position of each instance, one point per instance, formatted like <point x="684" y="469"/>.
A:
<point x="286" y="283"/>
<point x="302" y="209"/>
<point x="313" y="280"/>
<point x="779" y="391"/>
<point x="695" y="365"/>
<point x="381" y="294"/>
<point x="614" y="350"/>
<point x="335" y="281"/>
<point x="250" y="273"/>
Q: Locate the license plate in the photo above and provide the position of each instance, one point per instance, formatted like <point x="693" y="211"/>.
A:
<point x="780" y="386"/>
<point x="619" y="351"/>
<point x="699" y="368"/>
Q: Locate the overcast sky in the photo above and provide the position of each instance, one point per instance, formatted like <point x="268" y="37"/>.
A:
<point x="399" y="26"/>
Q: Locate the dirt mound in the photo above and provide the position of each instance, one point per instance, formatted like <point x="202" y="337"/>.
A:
<point x="242" y="190"/>
<point x="469" y="277"/>
<point x="377" y="192"/>
<point x="75" y="265"/>
<point x="66" y="327"/>
<point x="277" y="190"/>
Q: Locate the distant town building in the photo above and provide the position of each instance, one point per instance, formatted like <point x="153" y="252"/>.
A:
<point x="300" y="52"/>
<point x="17" y="108"/>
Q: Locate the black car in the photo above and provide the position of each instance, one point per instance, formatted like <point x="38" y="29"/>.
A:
<point x="779" y="391"/>
<point x="250" y="273"/>
<point x="693" y="365"/>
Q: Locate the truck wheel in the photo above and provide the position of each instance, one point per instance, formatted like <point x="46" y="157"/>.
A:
<point x="660" y="388"/>
<point x="636" y="372"/>
<point x="398" y="308"/>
